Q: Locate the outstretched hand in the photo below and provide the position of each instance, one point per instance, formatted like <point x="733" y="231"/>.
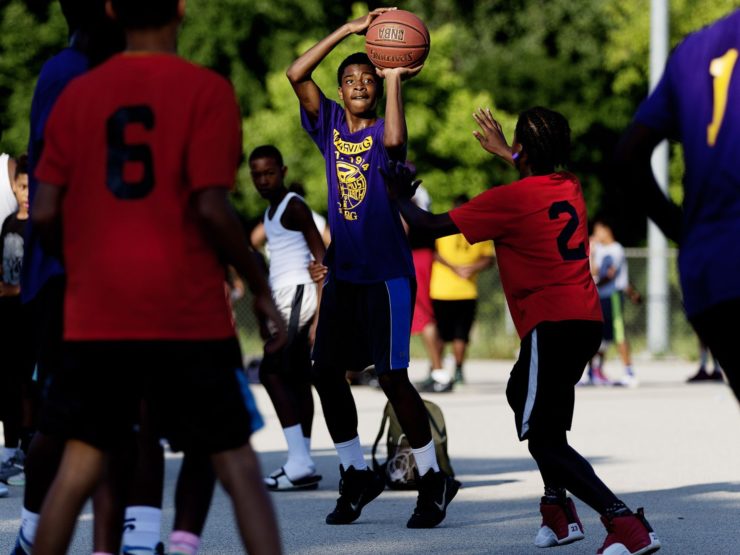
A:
<point x="403" y="72"/>
<point x="359" y="26"/>
<point x="399" y="181"/>
<point x="491" y="136"/>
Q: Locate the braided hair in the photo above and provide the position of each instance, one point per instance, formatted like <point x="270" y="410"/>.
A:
<point x="545" y="135"/>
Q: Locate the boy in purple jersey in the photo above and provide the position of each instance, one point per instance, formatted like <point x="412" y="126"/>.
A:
<point x="367" y="302"/>
<point x="696" y="103"/>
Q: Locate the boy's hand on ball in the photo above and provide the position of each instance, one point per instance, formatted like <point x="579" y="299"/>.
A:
<point x="359" y="26"/>
<point x="491" y="137"/>
<point x="400" y="182"/>
<point x="402" y="72"/>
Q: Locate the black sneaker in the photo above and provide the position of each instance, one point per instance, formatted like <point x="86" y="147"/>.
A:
<point x="356" y="489"/>
<point x="700" y="376"/>
<point x="437" y="387"/>
<point x="436" y="490"/>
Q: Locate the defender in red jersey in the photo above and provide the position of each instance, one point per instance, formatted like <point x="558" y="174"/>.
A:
<point x="139" y="158"/>
<point x="539" y="227"/>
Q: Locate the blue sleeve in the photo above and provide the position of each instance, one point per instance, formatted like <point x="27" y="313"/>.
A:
<point x="660" y="110"/>
<point x="320" y="129"/>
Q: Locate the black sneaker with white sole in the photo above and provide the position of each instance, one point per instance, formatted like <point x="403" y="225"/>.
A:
<point x="436" y="490"/>
<point x="356" y="489"/>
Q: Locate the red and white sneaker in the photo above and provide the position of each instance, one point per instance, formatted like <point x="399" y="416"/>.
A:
<point x="560" y="523"/>
<point x="629" y="535"/>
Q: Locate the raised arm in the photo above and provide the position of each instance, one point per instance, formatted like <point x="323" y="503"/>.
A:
<point x="632" y="163"/>
<point x="300" y="71"/>
<point x="395" y="134"/>
<point x="491" y="136"/>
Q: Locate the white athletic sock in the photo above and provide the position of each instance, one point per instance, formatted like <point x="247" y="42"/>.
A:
<point x="426" y="458"/>
<point x="27" y="534"/>
<point x="307" y="441"/>
<point x="441" y="376"/>
<point x="299" y="463"/>
<point x="350" y="454"/>
<point x="9" y="453"/>
<point x="141" y="529"/>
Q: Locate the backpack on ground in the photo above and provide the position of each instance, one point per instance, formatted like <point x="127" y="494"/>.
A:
<point x="398" y="469"/>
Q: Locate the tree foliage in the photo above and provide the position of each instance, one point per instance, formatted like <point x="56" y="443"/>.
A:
<point x="585" y="58"/>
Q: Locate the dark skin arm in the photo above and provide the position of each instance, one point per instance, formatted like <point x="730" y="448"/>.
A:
<point x="401" y="187"/>
<point x="300" y="71"/>
<point x="298" y="217"/>
<point x="395" y="134"/>
<point x="632" y="164"/>
<point x="222" y="227"/>
<point x="46" y="217"/>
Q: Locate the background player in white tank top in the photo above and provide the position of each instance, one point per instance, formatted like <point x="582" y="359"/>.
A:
<point x="294" y="241"/>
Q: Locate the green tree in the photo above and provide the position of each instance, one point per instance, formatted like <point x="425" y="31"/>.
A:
<point x="27" y="38"/>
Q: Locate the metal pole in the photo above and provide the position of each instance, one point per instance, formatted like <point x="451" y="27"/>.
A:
<point x="658" y="302"/>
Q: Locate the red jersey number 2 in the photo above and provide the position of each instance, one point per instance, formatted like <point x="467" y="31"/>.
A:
<point x="571" y="226"/>
<point x="120" y="153"/>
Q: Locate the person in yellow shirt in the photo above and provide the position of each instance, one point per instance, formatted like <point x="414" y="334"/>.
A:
<point x="454" y="293"/>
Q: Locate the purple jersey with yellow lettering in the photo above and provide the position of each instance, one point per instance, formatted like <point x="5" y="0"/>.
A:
<point x="368" y="243"/>
<point x="698" y="103"/>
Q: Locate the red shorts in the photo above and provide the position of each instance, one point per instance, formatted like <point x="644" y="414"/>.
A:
<point x="423" y="312"/>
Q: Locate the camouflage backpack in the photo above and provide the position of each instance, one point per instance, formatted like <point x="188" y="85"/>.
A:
<point x="398" y="469"/>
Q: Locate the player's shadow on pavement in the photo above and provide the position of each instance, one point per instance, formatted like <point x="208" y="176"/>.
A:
<point x="692" y="519"/>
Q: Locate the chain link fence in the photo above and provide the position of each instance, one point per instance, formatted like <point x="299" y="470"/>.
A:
<point x="493" y="335"/>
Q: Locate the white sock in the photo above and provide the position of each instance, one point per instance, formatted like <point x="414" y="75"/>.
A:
<point x="299" y="463"/>
<point x="307" y="441"/>
<point x="426" y="458"/>
<point x="350" y="454"/>
<point x="9" y="453"/>
<point x="27" y="534"/>
<point x="141" y="528"/>
<point x="441" y="376"/>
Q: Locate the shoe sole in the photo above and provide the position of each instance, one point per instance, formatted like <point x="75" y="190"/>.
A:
<point x="647" y="550"/>
<point x="553" y="541"/>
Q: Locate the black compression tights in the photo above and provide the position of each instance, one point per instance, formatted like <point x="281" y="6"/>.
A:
<point x="562" y="467"/>
<point x="341" y="414"/>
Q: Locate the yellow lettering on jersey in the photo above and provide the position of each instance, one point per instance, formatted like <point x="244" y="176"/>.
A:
<point x="345" y="147"/>
<point x="721" y="69"/>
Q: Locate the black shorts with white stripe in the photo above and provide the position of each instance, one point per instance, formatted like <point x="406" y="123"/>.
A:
<point x="551" y="361"/>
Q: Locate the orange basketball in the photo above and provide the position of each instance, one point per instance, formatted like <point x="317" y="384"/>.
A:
<point x="397" y="39"/>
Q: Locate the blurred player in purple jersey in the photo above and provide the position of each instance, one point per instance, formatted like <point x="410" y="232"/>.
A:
<point x="696" y="103"/>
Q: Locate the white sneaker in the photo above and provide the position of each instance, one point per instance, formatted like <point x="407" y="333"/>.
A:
<point x="628" y="380"/>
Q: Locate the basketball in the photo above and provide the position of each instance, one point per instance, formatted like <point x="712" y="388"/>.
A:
<point x="397" y="39"/>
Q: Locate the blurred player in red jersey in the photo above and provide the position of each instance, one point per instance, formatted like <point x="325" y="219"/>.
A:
<point x="539" y="226"/>
<point x="138" y="185"/>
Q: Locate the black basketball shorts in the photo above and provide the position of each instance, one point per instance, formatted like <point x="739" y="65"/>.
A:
<point x="541" y="388"/>
<point x="194" y="390"/>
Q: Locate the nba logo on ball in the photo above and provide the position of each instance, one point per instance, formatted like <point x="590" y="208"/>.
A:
<point x="397" y="39"/>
